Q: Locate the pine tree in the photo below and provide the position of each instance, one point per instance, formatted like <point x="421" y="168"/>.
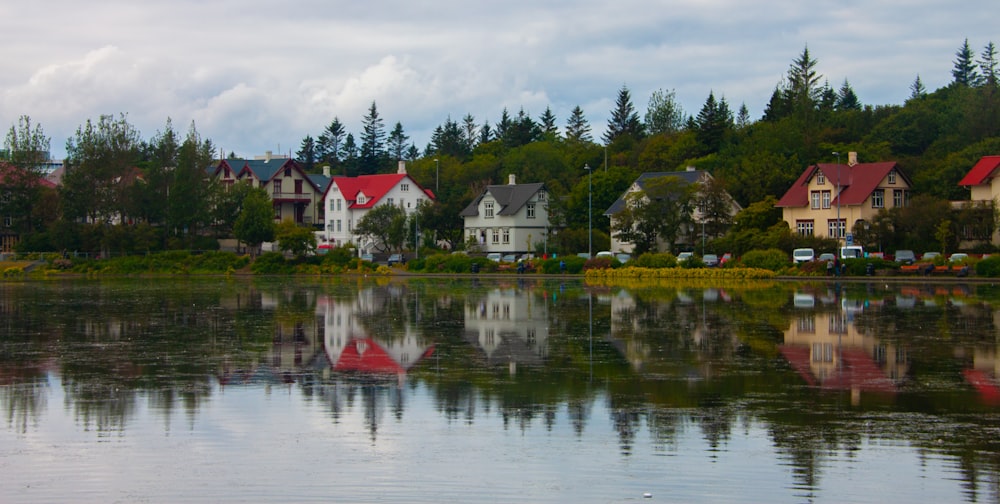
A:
<point x="988" y="64"/>
<point x="917" y="89"/>
<point x="372" y="142"/>
<point x="470" y="131"/>
<point x="743" y="117"/>
<point x="803" y="81"/>
<point x="846" y="99"/>
<point x="964" y="72"/>
<point x="577" y="127"/>
<point x="307" y="153"/>
<point x="328" y="144"/>
<point x="397" y="142"/>
<point x="624" y="119"/>
<point x="547" y="123"/>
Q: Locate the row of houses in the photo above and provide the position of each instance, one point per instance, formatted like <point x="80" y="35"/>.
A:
<point x="827" y="200"/>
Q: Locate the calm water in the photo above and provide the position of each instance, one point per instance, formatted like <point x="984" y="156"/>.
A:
<point x="168" y="391"/>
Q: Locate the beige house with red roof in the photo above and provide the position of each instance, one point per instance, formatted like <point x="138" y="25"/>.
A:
<point x="830" y="199"/>
<point x="348" y="199"/>
<point x="983" y="182"/>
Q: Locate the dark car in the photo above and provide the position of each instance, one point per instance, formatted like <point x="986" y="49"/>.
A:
<point x="396" y="259"/>
<point x="710" y="260"/>
<point x="905" y="256"/>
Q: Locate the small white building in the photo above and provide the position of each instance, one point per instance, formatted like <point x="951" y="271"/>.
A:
<point x="508" y="218"/>
<point x="348" y="199"/>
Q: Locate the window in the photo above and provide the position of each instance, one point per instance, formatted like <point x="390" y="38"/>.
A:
<point x="541" y="196"/>
<point x="531" y="210"/>
<point x="820" y="179"/>
<point x="404" y="187"/>
<point x="804" y="227"/>
<point x="388" y="201"/>
<point x="361" y="199"/>
<point x="878" y="198"/>
<point x="338" y="205"/>
<point x="836" y="228"/>
<point x="488" y="209"/>
<point x="496" y="236"/>
<point x="826" y="199"/>
<point x="892" y="177"/>
<point x="8" y="221"/>
<point x="298" y="187"/>
<point x="277" y="212"/>
<point x="898" y="197"/>
<point x="506" y="235"/>
<point x="277" y="187"/>
<point x="331" y="205"/>
<point x="288" y="172"/>
<point x="338" y="225"/>
<point x="815" y="200"/>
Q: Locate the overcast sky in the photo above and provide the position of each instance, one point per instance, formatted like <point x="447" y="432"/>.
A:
<point x="258" y="75"/>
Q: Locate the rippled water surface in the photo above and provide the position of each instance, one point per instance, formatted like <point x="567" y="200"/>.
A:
<point x="497" y="391"/>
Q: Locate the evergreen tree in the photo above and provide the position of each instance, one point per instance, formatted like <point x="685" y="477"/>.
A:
<point x="577" y="127"/>
<point x="329" y="143"/>
<point x="470" y="131"/>
<point x="547" y="123"/>
<point x="803" y="82"/>
<point x="307" y="153"/>
<point x="397" y="142"/>
<point x="714" y="122"/>
<point x="522" y="131"/>
<point x="486" y="134"/>
<point x="743" y="117"/>
<point x="372" y="142"/>
<point x="350" y="153"/>
<point x="502" y="129"/>
<point x="964" y="72"/>
<point x="624" y="119"/>
<point x="780" y="105"/>
<point x="846" y="99"/>
<point x="663" y="114"/>
<point x="448" y="140"/>
<point x="189" y="194"/>
<point x="917" y="89"/>
<point x="99" y="161"/>
<point x="988" y="64"/>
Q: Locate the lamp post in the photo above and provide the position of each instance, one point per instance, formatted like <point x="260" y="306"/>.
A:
<point x="590" y="211"/>
<point x="839" y="228"/>
<point x="437" y="176"/>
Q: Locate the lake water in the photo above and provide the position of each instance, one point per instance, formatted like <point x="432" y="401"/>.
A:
<point x="445" y="390"/>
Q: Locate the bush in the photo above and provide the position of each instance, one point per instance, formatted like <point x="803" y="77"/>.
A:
<point x="770" y="259"/>
<point x="600" y="263"/>
<point x="272" y="263"/>
<point x="989" y="267"/>
<point x="693" y="262"/>
<point x="859" y="267"/>
<point x="655" y="260"/>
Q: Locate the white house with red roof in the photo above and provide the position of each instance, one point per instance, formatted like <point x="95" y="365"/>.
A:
<point x="983" y="182"/>
<point x="348" y="199"/>
<point x="831" y="199"/>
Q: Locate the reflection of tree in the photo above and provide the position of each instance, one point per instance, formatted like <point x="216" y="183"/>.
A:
<point x="24" y="403"/>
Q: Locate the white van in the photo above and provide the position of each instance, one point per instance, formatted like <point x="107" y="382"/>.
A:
<point x="852" y="252"/>
<point x="803" y="255"/>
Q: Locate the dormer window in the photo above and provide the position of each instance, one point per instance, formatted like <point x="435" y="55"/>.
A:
<point x="892" y="177"/>
<point x="361" y="199"/>
<point x="820" y="178"/>
<point x="404" y="187"/>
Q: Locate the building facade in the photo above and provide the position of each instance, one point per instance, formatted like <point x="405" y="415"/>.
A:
<point x="509" y="218"/>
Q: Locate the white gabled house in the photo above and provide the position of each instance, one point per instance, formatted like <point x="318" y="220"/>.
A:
<point x="508" y="218"/>
<point x="348" y="199"/>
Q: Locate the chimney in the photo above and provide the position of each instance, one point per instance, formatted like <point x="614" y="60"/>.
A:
<point x="326" y="170"/>
<point x="852" y="158"/>
<point x="402" y="167"/>
<point x="267" y="156"/>
<point x="511" y="179"/>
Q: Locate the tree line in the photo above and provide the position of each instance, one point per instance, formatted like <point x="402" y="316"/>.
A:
<point x="935" y="136"/>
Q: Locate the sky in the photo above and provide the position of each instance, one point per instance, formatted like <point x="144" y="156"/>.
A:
<point x="258" y="75"/>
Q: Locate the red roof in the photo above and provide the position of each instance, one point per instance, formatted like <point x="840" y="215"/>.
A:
<point x="856" y="182"/>
<point x="374" y="187"/>
<point x="981" y="172"/>
<point x="6" y="168"/>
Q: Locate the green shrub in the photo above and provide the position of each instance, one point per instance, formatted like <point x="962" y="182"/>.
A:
<point x="272" y="263"/>
<point x="989" y="267"/>
<point x="770" y="259"/>
<point x="859" y="267"/>
<point x="692" y="262"/>
<point x="655" y="260"/>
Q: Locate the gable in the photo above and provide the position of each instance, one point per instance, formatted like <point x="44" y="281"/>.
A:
<point x="981" y="172"/>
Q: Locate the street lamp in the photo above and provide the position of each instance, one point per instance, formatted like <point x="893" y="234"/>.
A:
<point x="590" y="211"/>
<point x="437" y="175"/>
<point x="840" y="230"/>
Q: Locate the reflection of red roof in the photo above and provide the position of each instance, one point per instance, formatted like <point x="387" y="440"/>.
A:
<point x="367" y="356"/>
<point x="856" y="182"/>
<point x="981" y="172"/>
<point x="857" y="370"/>
<point x="988" y="390"/>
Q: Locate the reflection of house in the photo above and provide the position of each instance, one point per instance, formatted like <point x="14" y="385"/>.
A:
<point x="510" y="326"/>
<point x="508" y="218"/>
<point x="829" y="199"/>
<point x="349" y="199"/>
<point x="350" y="347"/>
<point x="687" y="177"/>
<point x="983" y="182"/>
<point x="827" y="350"/>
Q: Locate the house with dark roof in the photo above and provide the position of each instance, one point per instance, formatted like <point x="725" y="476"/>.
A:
<point x="983" y="182"/>
<point x="296" y="195"/>
<point x="690" y="176"/>
<point x="831" y="199"/>
<point x="348" y="199"/>
<point x="508" y="218"/>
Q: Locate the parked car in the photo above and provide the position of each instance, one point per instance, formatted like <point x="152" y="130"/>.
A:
<point x="395" y="259"/>
<point x="905" y="257"/>
<point x="710" y="260"/>
<point x="605" y="254"/>
<point x="958" y="257"/>
<point x="852" y="252"/>
<point x="367" y="257"/>
<point x="494" y="256"/>
<point x="929" y="256"/>
<point x="726" y="258"/>
<point x="827" y="256"/>
<point x="623" y="257"/>
<point x="803" y="255"/>
<point x="684" y="256"/>
<point x="509" y="258"/>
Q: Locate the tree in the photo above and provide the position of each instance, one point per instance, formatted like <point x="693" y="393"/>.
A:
<point x="964" y="71"/>
<point x="20" y="180"/>
<point x="624" y="120"/>
<point x="255" y="225"/>
<point x="307" y="153"/>
<point x="100" y="165"/>
<point x="657" y="213"/>
<point x="715" y="207"/>
<point x="397" y="142"/>
<point x="577" y="127"/>
<point x="384" y="227"/>
<point x="372" y="142"/>
<point x="522" y="131"/>
<point x="547" y="123"/>
<point x="743" y="117"/>
<point x="917" y="89"/>
<point x="329" y="143"/>
<point x="714" y="123"/>
<point x="846" y="99"/>
<point x="295" y="239"/>
<point x="189" y="192"/>
<point x="988" y="64"/>
<point x="803" y="81"/>
<point x="663" y="114"/>
<point x="470" y="132"/>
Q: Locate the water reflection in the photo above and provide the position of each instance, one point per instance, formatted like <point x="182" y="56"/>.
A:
<point x="827" y="372"/>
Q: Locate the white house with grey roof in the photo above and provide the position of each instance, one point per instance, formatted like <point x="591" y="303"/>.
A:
<point x="508" y="218"/>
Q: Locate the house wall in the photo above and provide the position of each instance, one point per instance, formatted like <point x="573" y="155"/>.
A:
<point x="406" y="194"/>
<point x="308" y="196"/>
<point x="522" y="232"/>
<point x="822" y="218"/>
